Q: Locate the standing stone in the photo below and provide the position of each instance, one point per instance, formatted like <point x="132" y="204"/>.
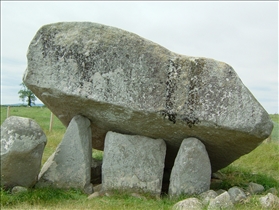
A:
<point x="191" y="172"/>
<point x="127" y="84"/>
<point x="70" y="165"/>
<point x="133" y="163"/>
<point x="22" y="145"/>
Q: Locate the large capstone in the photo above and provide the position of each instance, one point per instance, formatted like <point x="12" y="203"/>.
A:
<point x="127" y="84"/>
<point x="22" y="145"/>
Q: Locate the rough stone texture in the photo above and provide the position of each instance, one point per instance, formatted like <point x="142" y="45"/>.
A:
<point x="222" y="201"/>
<point x="191" y="172"/>
<point x="188" y="204"/>
<point x="237" y="195"/>
<point x="70" y="165"/>
<point x="22" y="145"/>
<point x="19" y="189"/>
<point x="127" y="84"/>
<point x="255" y="188"/>
<point x="207" y="196"/>
<point x="133" y="163"/>
<point x="269" y="201"/>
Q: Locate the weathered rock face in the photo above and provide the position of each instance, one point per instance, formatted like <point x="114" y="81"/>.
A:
<point x="188" y="204"/>
<point x="236" y="194"/>
<point x="191" y="172"/>
<point x="222" y="201"/>
<point x="22" y="145"/>
<point x="133" y="163"/>
<point x="70" y="165"/>
<point x="269" y="201"/>
<point x="130" y="85"/>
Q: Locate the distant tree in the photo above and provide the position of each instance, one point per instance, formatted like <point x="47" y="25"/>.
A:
<point x="26" y="93"/>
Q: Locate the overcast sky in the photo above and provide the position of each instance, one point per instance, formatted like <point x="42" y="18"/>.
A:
<point x="242" y="34"/>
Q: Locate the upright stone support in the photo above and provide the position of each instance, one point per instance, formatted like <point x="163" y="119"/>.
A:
<point x="70" y="165"/>
<point x="191" y="172"/>
<point x="133" y="163"/>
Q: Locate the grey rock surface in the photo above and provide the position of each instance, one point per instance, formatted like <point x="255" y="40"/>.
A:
<point x="22" y="145"/>
<point x="133" y="163"/>
<point x="188" y="204"/>
<point x="127" y="84"/>
<point x="269" y="201"/>
<point x="207" y="196"/>
<point x="191" y="172"/>
<point x="237" y="194"/>
<point x="70" y="165"/>
<point x="255" y="188"/>
<point x="222" y="201"/>
<point x="19" y="189"/>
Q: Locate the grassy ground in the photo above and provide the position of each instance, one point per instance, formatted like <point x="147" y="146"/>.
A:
<point x="260" y="166"/>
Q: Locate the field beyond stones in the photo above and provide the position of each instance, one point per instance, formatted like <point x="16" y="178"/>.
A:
<point x="260" y="166"/>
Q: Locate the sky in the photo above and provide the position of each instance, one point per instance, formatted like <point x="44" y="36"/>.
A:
<point x="242" y="34"/>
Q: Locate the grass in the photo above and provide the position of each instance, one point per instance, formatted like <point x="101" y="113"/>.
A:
<point x="275" y="133"/>
<point x="260" y="166"/>
<point x="65" y="199"/>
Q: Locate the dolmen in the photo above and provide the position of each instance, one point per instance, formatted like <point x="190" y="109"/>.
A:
<point x="126" y="84"/>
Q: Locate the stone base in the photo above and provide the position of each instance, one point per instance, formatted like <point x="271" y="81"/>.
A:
<point x="191" y="172"/>
<point x="133" y="163"/>
<point x="70" y="165"/>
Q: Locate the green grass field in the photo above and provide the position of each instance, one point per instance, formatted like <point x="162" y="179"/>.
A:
<point x="260" y="166"/>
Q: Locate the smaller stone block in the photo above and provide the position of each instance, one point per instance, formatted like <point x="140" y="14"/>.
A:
<point x="188" y="204"/>
<point x="19" y="189"/>
<point x="255" y="188"/>
<point x="237" y="195"/>
<point x="70" y="165"/>
<point x="222" y="201"/>
<point x="269" y="201"/>
<point x="22" y="146"/>
<point x="207" y="196"/>
<point x="191" y="172"/>
<point x="133" y="163"/>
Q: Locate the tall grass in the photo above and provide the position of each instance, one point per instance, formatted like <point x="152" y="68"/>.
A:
<point x="260" y="166"/>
